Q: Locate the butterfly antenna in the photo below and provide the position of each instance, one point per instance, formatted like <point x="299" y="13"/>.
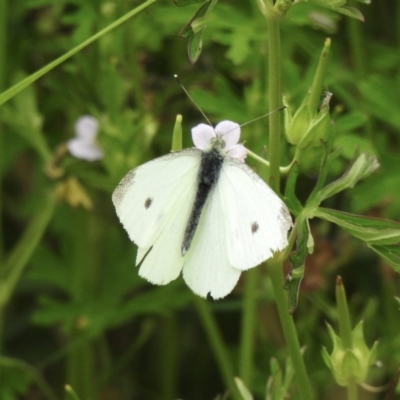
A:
<point x="263" y="116"/>
<point x="192" y="100"/>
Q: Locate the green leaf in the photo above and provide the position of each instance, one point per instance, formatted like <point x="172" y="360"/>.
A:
<point x="350" y="12"/>
<point x="339" y="6"/>
<point x="195" y="46"/>
<point x="328" y="158"/>
<point x="390" y="253"/>
<point x="374" y="231"/>
<point x="14" y="90"/>
<point x="194" y="30"/>
<point x="187" y="30"/>
<point x="14" y="380"/>
<point x="364" y="165"/>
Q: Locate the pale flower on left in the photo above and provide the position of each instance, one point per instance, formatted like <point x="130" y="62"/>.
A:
<point x="84" y="145"/>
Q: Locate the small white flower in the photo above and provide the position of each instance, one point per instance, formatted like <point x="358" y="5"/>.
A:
<point x="228" y="131"/>
<point x="84" y="146"/>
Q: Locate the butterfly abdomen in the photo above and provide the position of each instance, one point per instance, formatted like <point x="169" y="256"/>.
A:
<point x="209" y="171"/>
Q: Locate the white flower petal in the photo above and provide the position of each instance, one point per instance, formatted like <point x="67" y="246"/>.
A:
<point x="201" y="135"/>
<point x="86" y="127"/>
<point x="83" y="150"/>
<point x="238" y="151"/>
<point x="230" y="133"/>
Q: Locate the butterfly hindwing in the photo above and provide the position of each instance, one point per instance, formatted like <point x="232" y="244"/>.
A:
<point x="256" y="218"/>
<point x="207" y="267"/>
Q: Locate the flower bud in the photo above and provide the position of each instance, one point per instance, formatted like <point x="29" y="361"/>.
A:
<point x="306" y="129"/>
<point x="350" y="365"/>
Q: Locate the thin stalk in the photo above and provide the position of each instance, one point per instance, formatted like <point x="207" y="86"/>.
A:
<point x="275" y="98"/>
<point x="355" y="36"/>
<point x="249" y="310"/>
<point x="352" y="391"/>
<point x="3" y="57"/>
<point x="1" y="344"/>
<point x="8" y="94"/>
<point x="168" y="358"/>
<point x="275" y="266"/>
<point x="289" y="331"/>
<point x="217" y="346"/>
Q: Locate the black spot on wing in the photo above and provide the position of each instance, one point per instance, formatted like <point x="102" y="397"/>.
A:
<point x="254" y="227"/>
<point x="148" y="203"/>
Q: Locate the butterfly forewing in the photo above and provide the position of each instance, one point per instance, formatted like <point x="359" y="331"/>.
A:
<point x="149" y="195"/>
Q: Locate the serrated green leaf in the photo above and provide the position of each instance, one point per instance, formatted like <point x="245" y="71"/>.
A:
<point x="291" y="199"/>
<point x="390" y="253"/>
<point x="364" y="165"/>
<point x="184" y="3"/>
<point x="374" y="231"/>
<point x="350" y="12"/>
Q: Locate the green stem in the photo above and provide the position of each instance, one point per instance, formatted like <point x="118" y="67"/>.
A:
<point x="23" y="250"/>
<point x="168" y="358"/>
<point x="248" y="327"/>
<point x="275" y="98"/>
<point x="355" y="36"/>
<point x="275" y="266"/>
<point x="289" y="331"/>
<point x="257" y="157"/>
<point x="3" y="44"/>
<point x="217" y="346"/>
<point x="352" y="390"/>
<point x="8" y="94"/>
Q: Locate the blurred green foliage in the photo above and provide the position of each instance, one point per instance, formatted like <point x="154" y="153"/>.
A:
<point x="79" y="314"/>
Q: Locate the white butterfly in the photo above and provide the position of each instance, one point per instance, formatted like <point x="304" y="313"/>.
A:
<point x="203" y="211"/>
